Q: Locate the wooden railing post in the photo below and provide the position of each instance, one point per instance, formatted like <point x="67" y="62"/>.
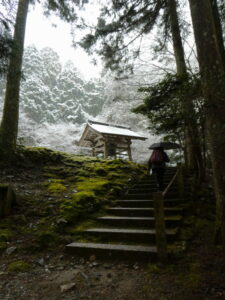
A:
<point x="180" y="181"/>
<point x="160" y="227"/>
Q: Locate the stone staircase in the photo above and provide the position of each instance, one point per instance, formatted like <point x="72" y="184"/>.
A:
<point x="127" y="231"/>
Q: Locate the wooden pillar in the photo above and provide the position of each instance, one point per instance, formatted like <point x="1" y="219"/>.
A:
<point x="160" y="227"/>
<point x="106" y="149"/>
<point x="129" y="150"/>
<point x="93" y="150"/>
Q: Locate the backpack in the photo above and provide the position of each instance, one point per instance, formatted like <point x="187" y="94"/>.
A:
<point x="157" y="157"/>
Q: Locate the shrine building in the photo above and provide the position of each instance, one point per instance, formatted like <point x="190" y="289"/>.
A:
<point x="109" y="140"/>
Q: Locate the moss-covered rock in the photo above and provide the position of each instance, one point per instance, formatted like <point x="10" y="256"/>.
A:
<point x="46" y="239"/>
<point x="56" y="188"/>
<point x="5" y="235"/>
<point x="19" y="266"/>
<point x="81" y="203"/>
<point x="97" y="185"/>
<point x="3" y="246"/>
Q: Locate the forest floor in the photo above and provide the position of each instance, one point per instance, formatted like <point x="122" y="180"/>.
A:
<point x="52" y="274"/>
<point x="199" y="274"/>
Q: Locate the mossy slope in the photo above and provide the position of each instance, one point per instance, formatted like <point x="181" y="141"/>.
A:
<point x="69" y="190"/>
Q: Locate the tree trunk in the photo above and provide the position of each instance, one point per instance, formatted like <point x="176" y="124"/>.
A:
<point x="219" y="30"/>
<point x="7" y="200"/>
<point x="212" y="67"/>
<point x="193" y="148"/>
<point x="9" y="124"/>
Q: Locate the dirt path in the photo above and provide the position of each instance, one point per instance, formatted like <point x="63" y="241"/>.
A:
<point x="198" y="274"/>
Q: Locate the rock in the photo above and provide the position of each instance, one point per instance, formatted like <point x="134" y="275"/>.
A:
<point x="95" y="264"/>
<point x="82" y="261"/>
<point x="135" y="266"/>
<point x="10" y="250"/>
<point x="84" y="275"/>
<point x="47" y="270"/>
<point x="107" y="266"/>
<point x="19" y="241"/>
<point x="67" y="287"/>
<point x="92" y="258"/>
<point x="41" y="261"/>
<point x="97" y="276"/>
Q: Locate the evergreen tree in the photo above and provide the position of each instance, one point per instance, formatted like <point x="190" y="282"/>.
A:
<point x="6" y="43"/>
<point x="137" y="18"/>
<point x="212" y="67"/>
<point x="9" y="124"/>
<point x="53" y="93"/>
<point x="192" y="142"/>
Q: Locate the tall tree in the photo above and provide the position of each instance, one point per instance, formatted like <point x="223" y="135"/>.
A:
<point x="9" y="125"/>
<point x="212" y="69"/>
<point x="193" y="148"/>
<point x="138" y="18"/>
<point x="6" y="21"/>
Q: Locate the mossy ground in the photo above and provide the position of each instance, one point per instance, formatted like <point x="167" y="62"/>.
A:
<point x="57" y="192"/>
<point x="19" y="266"/>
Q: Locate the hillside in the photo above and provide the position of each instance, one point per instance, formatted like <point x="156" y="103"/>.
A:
<point x="56" y="191"/>
<point x="57" y="194"/>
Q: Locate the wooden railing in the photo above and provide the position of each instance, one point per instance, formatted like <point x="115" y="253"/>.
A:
<point x="160" y="228"/>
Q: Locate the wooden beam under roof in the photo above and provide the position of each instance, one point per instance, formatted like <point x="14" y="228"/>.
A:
<point x="107" y="124"/>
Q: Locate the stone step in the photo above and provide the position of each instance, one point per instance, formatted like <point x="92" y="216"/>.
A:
<point x="146" y="203"/>
<point x="148" y="184"/>
<point x="152" y="181"/>
<point x="148" y="196"/>
<point x="138" y="190"/>
<point x="138" y="222"/>
<point x="141" y="212"/>
<point x="112" y="250"/>
<point x="129" y="235"/>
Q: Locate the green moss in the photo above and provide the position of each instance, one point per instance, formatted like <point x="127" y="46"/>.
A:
<point x="83" y="173"/>
<point x="3" y="246"/>
<point x="19" y="266"/>
<point x="95" y="180"/>
<point x="46" y="239"/>
<point x="190" y="281"/>
<point x="5" y="235"/>
<point x="50" y="175"/>
<point x="98" y="185"/>
<point x="83" y="196"/>
<point x="81" y="204"/>
<point x="55" y="186"/>
<point x="101" y="171"/>
<point x="153" y="268"/>
<point x="82" y="226"/>
<point x="40" y="154"/>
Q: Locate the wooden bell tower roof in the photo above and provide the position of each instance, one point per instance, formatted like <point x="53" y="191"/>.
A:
<point x="94" y="129"/>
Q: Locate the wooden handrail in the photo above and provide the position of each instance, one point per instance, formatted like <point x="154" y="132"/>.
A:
<point x="171" y="183"/>
<point x="160" y="218"/>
